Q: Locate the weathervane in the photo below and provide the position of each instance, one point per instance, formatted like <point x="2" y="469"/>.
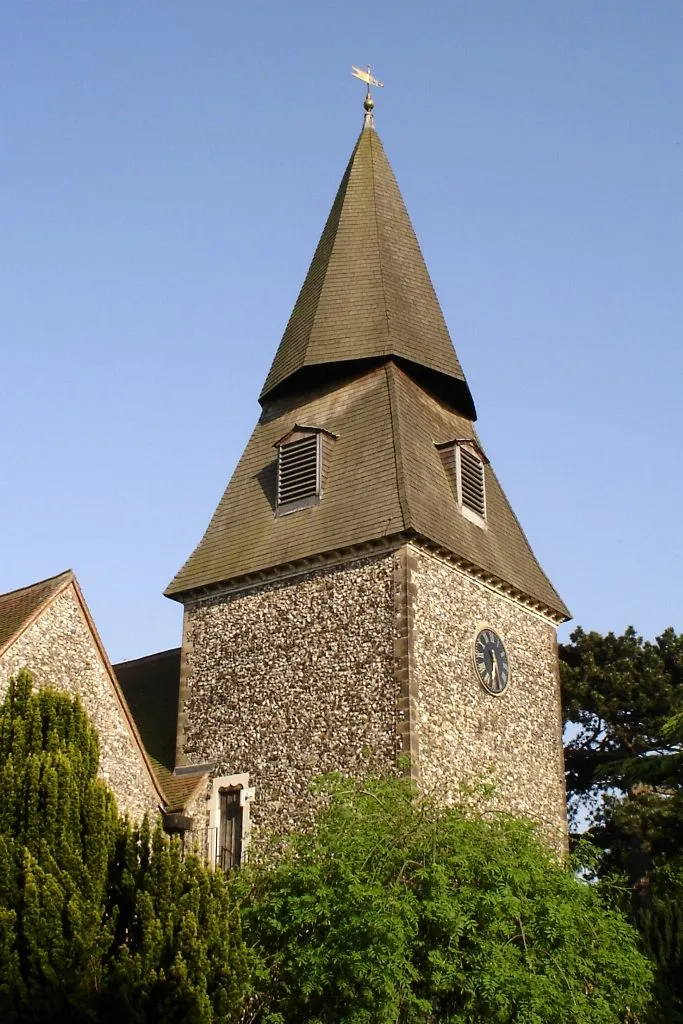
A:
<point x="369" y="80"/>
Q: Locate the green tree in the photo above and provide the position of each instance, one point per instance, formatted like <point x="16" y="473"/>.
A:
<point x="622" y="701"/>
<point x="393" y="910"/>
<point x="99" y="920"/>
<point x="58" y="829"/>
<point x="619" y="692"/>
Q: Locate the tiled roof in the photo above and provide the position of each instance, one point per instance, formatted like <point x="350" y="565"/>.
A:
<point x="178" y="789"/>
<point x="150" y="686"/>
<point x="17" y="607"/>
<point x="367" y="294"/>
<point x="383" y="477"/>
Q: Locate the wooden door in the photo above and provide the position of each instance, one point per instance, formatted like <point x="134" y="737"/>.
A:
<point x="230" y="830"/>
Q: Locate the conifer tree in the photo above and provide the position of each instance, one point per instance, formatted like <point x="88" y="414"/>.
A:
<point x="622" y="698"/>
<point x="100" y="920"/>
<point x="58" y="829"/>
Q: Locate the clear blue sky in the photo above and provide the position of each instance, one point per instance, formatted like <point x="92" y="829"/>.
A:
<point x="166" y="169"/>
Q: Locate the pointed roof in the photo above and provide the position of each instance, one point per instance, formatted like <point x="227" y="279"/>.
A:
<point x="368" y="294"/>
<point x="366" y="356"/>
<point x="384" y="478"/>
<point x="19" y="609"/>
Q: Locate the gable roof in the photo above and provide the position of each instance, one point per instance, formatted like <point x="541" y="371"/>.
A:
<point x="367" y="294"/>
<point x="18" y="608"/>
<point x="383" y="478"/>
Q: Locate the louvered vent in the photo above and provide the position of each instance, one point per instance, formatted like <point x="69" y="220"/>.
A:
<point x="298" y="471"/>
<point x="472" y="482"/>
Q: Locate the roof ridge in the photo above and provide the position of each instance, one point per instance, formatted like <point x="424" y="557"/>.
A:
<point x="379" y="247"/>
<point x="146" y="657"/>
<point x="38" y="583"/>
<point x="398" y="448"/>
<point x="116" y="687"/>
<point x="345" y="185"/>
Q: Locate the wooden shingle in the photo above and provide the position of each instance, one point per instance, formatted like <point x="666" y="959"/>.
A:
<point x="366" y="356"/>
<point x="367" y="294"/>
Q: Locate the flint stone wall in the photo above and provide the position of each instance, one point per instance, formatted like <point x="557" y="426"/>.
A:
<point x="291" y="680"/>
<point x="466" y="735"/>
<point x="60" y="651"/>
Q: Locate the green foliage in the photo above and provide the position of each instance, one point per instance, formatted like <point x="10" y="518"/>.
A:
<point x="58" y="826"/>
<point x="391" y="911"/>
<point x="659" y="919"/>
<point x="178" y="953"/>
<point x="623" y="697"/>
<point x="619" y="692"/>
<point x="99" y="921"/>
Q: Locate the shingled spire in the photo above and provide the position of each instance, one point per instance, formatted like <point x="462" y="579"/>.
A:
<point x="366" y="358"/>
<point x="368" y="295"/>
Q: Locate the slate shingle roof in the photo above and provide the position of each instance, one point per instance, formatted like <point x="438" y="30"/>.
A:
<point x="18" y="607"/>
<point x="367" y="294"/>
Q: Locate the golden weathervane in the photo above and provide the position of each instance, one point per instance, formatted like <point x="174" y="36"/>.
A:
<point x="369" y="80"/>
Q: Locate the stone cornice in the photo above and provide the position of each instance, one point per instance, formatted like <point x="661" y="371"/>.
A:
<point x="374" y="548"/>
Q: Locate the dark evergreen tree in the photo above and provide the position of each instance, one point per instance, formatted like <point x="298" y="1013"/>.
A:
<point x="622" y="702"/>
<point x="58" y="830"/>
<point x="99" y="921"/>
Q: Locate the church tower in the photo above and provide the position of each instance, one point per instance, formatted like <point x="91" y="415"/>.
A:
<point x="364" y="590"/>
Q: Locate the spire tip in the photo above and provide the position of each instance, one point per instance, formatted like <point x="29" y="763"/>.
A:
<point x="368" y="102"/>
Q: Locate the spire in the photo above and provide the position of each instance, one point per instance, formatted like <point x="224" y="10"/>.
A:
<point x="367" y="364"/>
<point x="367" y="296"/>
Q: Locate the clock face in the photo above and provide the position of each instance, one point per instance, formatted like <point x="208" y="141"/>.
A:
<point x="491" y="661"/>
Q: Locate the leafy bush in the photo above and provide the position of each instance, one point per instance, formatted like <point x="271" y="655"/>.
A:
<point x="393" y="910"/>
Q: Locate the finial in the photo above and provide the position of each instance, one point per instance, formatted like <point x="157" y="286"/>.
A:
<point x="368" y="102"/>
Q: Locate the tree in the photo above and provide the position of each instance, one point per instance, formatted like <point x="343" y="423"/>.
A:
<point x="622" y="702"/>
<point x="619" y="692"/>
<point x="393" y="910"/>
<point x="99" y="920"/>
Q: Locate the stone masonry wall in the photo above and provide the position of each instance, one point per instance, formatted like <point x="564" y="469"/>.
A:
<point x="60" y="651"/>
<point x="293" y="679"/>
<point x="464" y="734"/>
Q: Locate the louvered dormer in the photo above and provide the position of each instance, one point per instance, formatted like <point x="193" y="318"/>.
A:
<point x="301" y="456"/>
<point x="464" y="462"/>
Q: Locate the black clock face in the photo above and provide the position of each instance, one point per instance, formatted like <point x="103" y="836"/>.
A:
<point x="491" y="661"/>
